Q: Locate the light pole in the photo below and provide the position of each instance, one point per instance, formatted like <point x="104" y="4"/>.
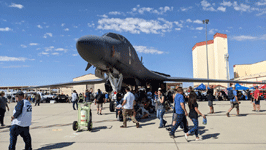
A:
<point x="206" y="21"/>
<point x="226" y="57"/>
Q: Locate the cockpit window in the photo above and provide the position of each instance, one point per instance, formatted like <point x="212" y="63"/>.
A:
<point x="115" y="36"/>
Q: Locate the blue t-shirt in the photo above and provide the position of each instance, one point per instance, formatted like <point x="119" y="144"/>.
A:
<point x="179" y="99"/>
<point x="235" y="94"/>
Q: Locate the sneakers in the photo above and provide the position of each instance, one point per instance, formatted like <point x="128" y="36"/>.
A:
<point x="227" y="114"/>
<point x="160" y="127"/>
<point x="137" y="125"/>
<point x="199" y="139"/>
<point x="164" y="123"/>
<point x="171" y="135"/>
<point x="186" y="137"/>
<point x="2" y="125"/>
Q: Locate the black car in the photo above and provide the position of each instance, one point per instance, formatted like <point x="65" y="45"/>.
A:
<point x="62" y="98"/>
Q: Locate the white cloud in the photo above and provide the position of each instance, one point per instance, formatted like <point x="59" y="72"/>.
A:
<point x="224" y="3"/>
<point x="199" y="28"/>
<point x="47" y="26"/>
<point x="39" y="26"/>
<point x="33" y="44"/>
<point x="16" y="5"/>
<point x="47" y="34"/>
<point x="186" y="9"/>
<point x="75" y="26"/>
<point x="159" y="11"/>
<point x="23" y="46"/>
<point x="248" y="37"/>
<point x="66" y="29"/>
<point x="144" y="49"/>
<point x="177" y="29"/>
<point x="23" y="66"/>
<point x="91" y="25"/>
<point x="116" y="13"/>
<point x="135" y="25"/>
<point x="194" y="36"/>
<point x="47" y="49"/>
<point x="38" y="49"/>
<point x="63" y="24"/>
<point x="212" y="31"/>
<point x="55" y="53"/>
<point x="244" y="37"/>
<point x="241" y="7"/>
<point x="261" y="13"/>
<point x="43" y="53"/>
<point x="6" y="58"/>
<point x="189" y="20"/>
<point x="104" y="16"/>
<point x="223" y="9"/>
<point x="61" y="49"/>
<point x="5" y="29"/>
<point x="197" y="21"/>
<point x="262" y="3"/>
<point x="178" y="24"/>
<point x="74" y="54"/>
<point x="240" y="27"/>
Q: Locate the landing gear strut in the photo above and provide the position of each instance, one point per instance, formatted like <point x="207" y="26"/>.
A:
<point x="116" y="84"/>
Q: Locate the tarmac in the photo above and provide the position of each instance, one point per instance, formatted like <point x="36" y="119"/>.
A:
<point x="52" y="129"/>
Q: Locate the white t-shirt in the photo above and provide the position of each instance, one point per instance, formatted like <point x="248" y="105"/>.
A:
<point x="24" y="119"/>
<point x="129" y="97"/>
<point x="74" y="97"/>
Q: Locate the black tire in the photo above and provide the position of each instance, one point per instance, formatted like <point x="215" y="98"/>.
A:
<point x="75" y="126"/>
<point x="112" y="109"/>
<point x="90" y="122"/>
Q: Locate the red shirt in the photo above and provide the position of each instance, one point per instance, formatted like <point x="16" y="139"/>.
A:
<point x="256" y="93"/>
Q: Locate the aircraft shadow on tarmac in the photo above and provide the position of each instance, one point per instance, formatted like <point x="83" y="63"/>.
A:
<point x="56" y="145"/>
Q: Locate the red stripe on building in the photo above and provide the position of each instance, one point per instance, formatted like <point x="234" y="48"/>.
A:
<point x="202" y="43"/>
<point x="210" y="41"/>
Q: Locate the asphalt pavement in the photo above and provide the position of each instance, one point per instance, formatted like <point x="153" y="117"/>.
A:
<point x="52" y="129"/>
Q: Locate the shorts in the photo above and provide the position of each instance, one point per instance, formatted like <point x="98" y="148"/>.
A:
<point x="257" y="102"/>
<point x="210" y="103"/>
<point x="99" y="105"/>
<point x="234" y="105"/>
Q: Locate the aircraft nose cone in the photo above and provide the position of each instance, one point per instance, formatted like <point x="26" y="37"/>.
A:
<point x="90" y="48"/>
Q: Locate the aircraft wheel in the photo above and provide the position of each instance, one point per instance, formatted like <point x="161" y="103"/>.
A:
<point x="75" y="125"/>
<point x="112" y="109"/>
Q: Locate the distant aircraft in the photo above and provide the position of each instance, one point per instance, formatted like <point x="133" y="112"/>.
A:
<point x="113" y="55"/>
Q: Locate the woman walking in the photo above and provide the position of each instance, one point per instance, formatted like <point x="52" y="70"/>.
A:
<point x="160" y="108"/>
<point x="193" y="115"/>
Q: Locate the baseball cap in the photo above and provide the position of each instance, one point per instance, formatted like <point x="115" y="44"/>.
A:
<point x="159" y="89"/>
<point x="19" y="93"/>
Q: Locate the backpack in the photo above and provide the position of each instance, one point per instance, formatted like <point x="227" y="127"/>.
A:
<point x="231" y="94"/>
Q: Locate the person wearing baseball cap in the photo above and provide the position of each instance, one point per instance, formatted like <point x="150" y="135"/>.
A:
<point x="3" y="106"/>
<point x="21" y="120"/>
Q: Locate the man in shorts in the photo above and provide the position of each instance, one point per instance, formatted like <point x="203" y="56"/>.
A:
<point x="257" y="99"/>
<point x="99" y="99"/>
<point x="232" y="96"/>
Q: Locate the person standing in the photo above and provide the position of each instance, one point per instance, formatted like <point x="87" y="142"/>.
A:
<point x="74" y="99"/>
<point x="257" y="99"/>
<point x="99" y="100"/>
<point x="232" y="96"/>
<point x="37" y="99"/>
<point x="21" y="120"/>
<point x="181" y="112"/>
<point x="87" y="96"/>
<point x="127" y="105"/>
<point x="3" y="106"/>
<point x="210" y="98"/>
<point x="160" y="108"/>
<point x="193" y="115"/>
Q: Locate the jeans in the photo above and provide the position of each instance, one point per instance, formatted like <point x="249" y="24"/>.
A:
<point x="195" y="129"/>
<point x="16" y="130"/>
<point x="75" y="102"/>
<point x="160" y="113"/>
<point x="181" y="118"/>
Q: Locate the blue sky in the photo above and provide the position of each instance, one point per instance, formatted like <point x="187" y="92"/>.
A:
<point x="38" y="37"/>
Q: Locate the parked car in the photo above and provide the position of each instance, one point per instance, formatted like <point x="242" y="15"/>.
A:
<point x="62" y="98"/>
<point x="47" y="98"/>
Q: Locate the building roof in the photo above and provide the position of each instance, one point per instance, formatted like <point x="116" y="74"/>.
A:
<point x="249" y="64"/>
<point x="210" y="41"/>
<point x="83" y="75"/>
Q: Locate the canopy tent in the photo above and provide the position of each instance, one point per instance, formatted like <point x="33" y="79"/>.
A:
<point x="201" y="87"/>
<point x="240" y="87"/>
<point x="262" y="86"/>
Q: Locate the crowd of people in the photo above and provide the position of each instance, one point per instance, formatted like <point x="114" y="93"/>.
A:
<point x="129" y="104"/>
